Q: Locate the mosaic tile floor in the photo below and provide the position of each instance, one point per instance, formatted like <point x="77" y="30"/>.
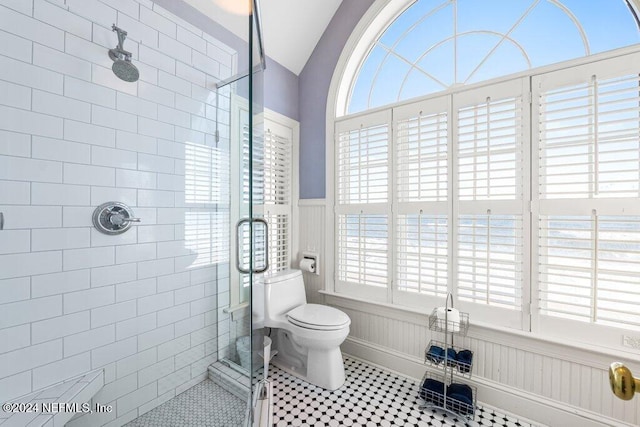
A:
<point x="204" y="405"/>
<point x="370" y="397"/>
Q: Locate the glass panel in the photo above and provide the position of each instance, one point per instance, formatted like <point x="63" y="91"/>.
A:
<point x="242" y="92"/>
<point x="466" y="41"/>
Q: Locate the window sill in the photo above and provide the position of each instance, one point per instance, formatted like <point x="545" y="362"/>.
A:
<point x="573" y="351"/>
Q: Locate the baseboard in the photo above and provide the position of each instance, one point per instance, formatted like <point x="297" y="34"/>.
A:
<point x="535" y="408"/>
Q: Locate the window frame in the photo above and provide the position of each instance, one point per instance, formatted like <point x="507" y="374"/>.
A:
<point x="606" y="68"/>
<point x="288" y="128"/>
<point x="530" y="324"/>
<point x="239" y="296"/>
<point x="382" y="208"/>
<point x="382" y="15"/>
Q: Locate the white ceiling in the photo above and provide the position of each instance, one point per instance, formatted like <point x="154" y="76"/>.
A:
<point x="291" y="28"/>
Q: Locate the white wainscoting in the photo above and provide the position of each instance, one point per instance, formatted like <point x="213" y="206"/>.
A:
<point x="311" y="232"/>
<point x="549" y="382"/>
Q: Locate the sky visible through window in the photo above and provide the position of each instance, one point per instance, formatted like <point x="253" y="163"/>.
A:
<point x="437" y="44"/>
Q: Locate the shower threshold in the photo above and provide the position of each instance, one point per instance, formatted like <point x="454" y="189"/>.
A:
<point x="233" y="365"/>
<point x="231" y="376"/>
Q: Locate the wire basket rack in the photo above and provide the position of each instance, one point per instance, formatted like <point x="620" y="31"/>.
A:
<point x="434" y="393"/>
<point x="460" y="359"/>
<point x="448" y="326"/>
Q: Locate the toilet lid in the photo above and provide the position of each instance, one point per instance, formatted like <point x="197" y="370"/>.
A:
<point x="316" y="316"/>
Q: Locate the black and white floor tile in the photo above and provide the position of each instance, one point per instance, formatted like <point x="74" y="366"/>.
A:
<point x="371" y="397"/>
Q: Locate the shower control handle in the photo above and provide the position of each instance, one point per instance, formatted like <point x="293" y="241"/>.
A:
<point x="119" y="219"/>
<point x="113" y="218"/>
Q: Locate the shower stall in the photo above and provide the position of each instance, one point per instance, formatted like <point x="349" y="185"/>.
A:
<point x="130" y="206"/>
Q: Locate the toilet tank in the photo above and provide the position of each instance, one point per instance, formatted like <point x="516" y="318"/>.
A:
<point x="283" y="291"/>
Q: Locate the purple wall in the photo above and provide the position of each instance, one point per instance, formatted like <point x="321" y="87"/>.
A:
<point x="280" y="84"/>
<point x="281" y="90"/>
<point x="314" y="82"/>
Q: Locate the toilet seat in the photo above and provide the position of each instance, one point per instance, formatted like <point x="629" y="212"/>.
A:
<point x="318" y="317"/>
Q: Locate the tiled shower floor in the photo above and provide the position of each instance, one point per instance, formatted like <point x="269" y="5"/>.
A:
<point x="371" y="397"/>
<point x="203" y="405"/>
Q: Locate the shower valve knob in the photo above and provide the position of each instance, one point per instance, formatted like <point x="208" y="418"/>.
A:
<point x="119" y="219"/>
<point x="113" y="218"/>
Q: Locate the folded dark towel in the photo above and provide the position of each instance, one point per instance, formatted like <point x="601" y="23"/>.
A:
<point x="460" y="398"/>
<point x="432" y="391"/>
<point x="465" y="360"/>
<point x="435" y="354"/>
<point x="459" y="404"/>
<point x="451" y="357"/>
<point x="460" y="389"/>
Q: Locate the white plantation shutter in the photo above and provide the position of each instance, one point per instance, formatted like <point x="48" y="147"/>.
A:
<point x="590" y="268"/>
<point x="277" y="193"/>
<point x="588" y="226"/>
<point x="363" y="204"/>
<point x="271" y="189"/>
<point x="279" y="241"/>
<point x="362" y="249"/>
<point x="490" y="260"/>
<point x="206" y="198"/>
<point x="206" y="174"/>
<point x="255" y="181"/>
<point x="421" y="148"/>
<point x="490" y="140"/>
<point x="277" y="168"/>
<point x="422" y="254"/>
<point x="363" y="168"/>
<point x="206" y="236"/>
<point x="521" y="197"/>
<point x="490" y="150"/>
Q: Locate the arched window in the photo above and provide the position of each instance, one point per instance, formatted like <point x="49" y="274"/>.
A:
<point x="491" y="149"/>
<point x="434" y="44"/>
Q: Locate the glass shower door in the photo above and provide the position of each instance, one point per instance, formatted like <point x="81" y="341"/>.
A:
<point x="248" y="231"/>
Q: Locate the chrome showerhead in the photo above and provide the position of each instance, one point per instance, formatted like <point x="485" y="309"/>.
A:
<point x="122" y="66"/>
<point x="125" y="70"/>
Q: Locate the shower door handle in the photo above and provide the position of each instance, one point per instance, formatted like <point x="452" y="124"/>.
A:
<point x="239" y="226"/>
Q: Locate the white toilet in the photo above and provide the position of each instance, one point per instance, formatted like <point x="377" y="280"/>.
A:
<point x="307" y="336"/>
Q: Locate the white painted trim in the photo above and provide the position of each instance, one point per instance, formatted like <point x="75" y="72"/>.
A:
<point x="527" y="405"/>
<point x="312" y="202"/>
<point x="588" y="355"/>
<point x="584" y="60"/>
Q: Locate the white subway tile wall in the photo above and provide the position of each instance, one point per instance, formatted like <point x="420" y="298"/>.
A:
<point x="73" y="136"/>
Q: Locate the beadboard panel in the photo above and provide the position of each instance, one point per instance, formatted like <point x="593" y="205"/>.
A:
<point x="311" y="232"/>
<point x="582" y="384"/>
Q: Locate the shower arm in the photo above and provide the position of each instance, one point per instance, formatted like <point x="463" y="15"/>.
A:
<point x="122" y="36"/>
